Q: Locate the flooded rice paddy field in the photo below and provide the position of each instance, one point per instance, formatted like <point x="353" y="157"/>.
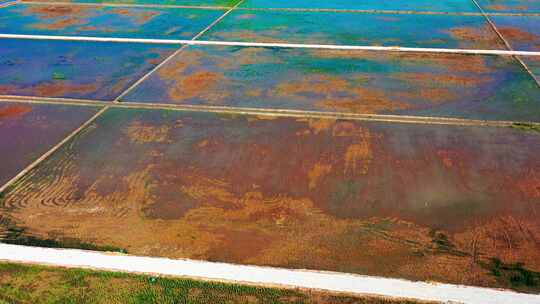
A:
<point x="446" y="85"/>
<point x="88" y="70"/>
<point x="197" y="3"/>
<point x="350" y="28"/>
<point x="447" y="198"/>
<point x="103" y="21"/>
<point x="423" y="202"/>
<point x="510" y="6"/>
<point x="28" y="131"/>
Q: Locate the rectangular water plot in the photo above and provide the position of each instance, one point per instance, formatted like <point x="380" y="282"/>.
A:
<point x="522" y="32"/>
<point x="200" y="3"/>
<point x="417" y="201"/>
<point x="448" y="6"/>
<point x="476" y="87"/>
<point x="510" y="6"/>
<point x="89" y="70"/>
<point x="29" y="130"/>
<point x="106" y="21"/>
<point x="441" y="31"/>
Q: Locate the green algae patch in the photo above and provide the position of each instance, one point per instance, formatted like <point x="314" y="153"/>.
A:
<point x="526" y="127"/>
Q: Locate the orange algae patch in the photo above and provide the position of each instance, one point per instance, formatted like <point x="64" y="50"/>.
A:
<point x="53" y="11"/>
<point x="63" y="16"/>
<point x="198" y="84"/>
<point x="62" y="88"/>
<point x="501" y="7"/>
<point x="338" y="94"/>
<point x="319" y="125"/>
<point x="498" y="7"/>
<point x="318" y="84"/>
<point x="529" y="184"/>
<point x="365" y="101"/>
<point x="317" y="172"/>
<point x="513" y="33"/>
<point x="140" y="133"/>
<point x="359" y="155"/>
<point x="141" y="17"/>
<point x="14" y="111"/>
<point x="175" y="69"/>
<point x="485" y="36"/>
<point x="441" y="79"/>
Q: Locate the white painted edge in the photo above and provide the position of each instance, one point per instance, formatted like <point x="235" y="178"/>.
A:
<point x="276" y="45"/>
<point x="266" y="276"/>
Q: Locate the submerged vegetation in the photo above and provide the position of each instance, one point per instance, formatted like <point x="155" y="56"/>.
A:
<point x="514" y="274"/>
<point x="526" y="126"/>
<point x="11" y="234"/>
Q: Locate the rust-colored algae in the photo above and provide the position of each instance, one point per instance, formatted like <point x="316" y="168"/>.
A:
<point x="60" y="88"/>
<point x="140" y="17"/>
<point x="141" y="133"/>
<point x="198" y="84"/>
<point x="449" y="85"/>
<point x="517" y="34"/>
<point x="14" y="111"/>
<point x="57" y="11"/>
<point x="319" y="170"/>
<point x="484" y="36"/>
<point x="60" y="16"/>
<point x="338" y="94"/>
<point x="421" y="202"/>
<point x="502" y="7"/>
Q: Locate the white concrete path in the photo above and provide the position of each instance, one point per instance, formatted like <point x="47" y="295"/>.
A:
<point x="267" y="276"/>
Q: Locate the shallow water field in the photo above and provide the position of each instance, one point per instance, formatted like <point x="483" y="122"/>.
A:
<point x="28" y="131"/>
<point x="428" y="200"/>
<point x="88" y="70"/>
<point x="396" y="139"/>
<point x="106" y="21"/>
<point x="444" y="85"/>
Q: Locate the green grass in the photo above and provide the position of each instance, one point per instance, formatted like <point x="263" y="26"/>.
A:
<point x="40" y="284"/>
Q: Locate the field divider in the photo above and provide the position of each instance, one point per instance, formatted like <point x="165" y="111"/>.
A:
<point x="263" y="276"/>
<point x="273" y="112"/>
<point x="382" y="11"/>
<point x="273" y="45"/>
